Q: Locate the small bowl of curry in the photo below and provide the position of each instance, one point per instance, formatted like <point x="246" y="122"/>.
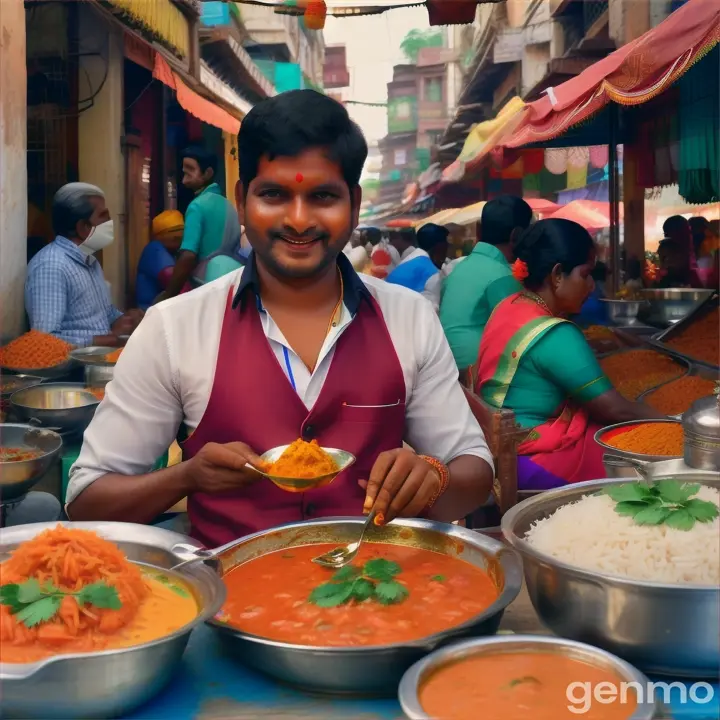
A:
<point x="525" y="676"/>
<point x="303" y="465"/>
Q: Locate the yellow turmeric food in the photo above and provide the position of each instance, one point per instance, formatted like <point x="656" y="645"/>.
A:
<point x="114" y="356"/>
<point x="662" y="438"/>
<point x="635" y="371"/>
<point x="701" y="340"/>
<point x="302" y="460"/>
<point x="598" y="332"/>
<point x="677" y="396"/>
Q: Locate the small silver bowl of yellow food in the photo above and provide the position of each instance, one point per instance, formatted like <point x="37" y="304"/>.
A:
<point x="303" y="466"/>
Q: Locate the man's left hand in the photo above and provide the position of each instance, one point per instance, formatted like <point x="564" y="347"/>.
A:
<point x="401" y="484"/>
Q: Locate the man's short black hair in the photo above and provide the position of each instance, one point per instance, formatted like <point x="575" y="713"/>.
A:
<point x="675" y="224"/>
<point x="373" y="235"/>
<point x="501" y="216"/>
<point x="292" y="122"/>
<point x="202" y="157"/>
<point x="431" y="235"/>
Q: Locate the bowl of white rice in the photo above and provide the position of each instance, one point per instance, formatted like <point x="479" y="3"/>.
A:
<point x="647" y="593"/>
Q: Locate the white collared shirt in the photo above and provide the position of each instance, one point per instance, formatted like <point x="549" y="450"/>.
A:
<point x="166" y="371"/>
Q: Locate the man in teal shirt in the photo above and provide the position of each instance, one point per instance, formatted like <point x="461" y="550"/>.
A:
<point x="211" y="221"/>
<point x="484" y="278"/>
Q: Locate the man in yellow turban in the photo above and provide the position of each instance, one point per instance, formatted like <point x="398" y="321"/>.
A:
<point x="158" y="258"/>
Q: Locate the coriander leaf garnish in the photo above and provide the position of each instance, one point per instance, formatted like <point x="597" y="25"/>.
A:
<point x="381" y="569"/>
<point x="374" y="581"/>
<point x="523" y="680"/>
<point x="165" y="580"/>
<point x="438" y="578"/>
<point x="33" y="604"/>
<point x="39" y="611"/>
<point x="388" y="593"/>
<point x="664" y="501"/>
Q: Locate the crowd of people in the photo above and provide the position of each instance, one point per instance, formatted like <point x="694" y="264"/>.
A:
<point x="284" y="321"/>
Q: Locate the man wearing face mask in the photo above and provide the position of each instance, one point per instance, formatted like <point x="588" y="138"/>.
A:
<point x="65" y="290"/>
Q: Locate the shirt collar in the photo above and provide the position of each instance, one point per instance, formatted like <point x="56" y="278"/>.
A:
<point x="354" y="289"/>
<point x="213" y="188"/>
<point x="72" y="250"/>
<point x="490" y="251"/>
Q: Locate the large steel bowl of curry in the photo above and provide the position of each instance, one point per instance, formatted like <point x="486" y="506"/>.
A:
<point x="368" y="670"/>
<point x="661" y="628"/>
<point x="110" y="683"/>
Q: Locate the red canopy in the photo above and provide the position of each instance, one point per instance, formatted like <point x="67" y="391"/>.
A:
<point x="542" y="206"/>
<point x="634" y="74"/>
<point x="593" y="215"/>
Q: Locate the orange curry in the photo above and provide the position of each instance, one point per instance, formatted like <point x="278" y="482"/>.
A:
<point x="18" y="454"/>
<point x="269" y="597"/>
<point x="523" y="685"/>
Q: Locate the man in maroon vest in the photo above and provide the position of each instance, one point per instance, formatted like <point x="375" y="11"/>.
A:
<point x="295" y="344"/>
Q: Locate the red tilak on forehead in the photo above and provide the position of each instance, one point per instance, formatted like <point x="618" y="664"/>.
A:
<point x="299" y="177"/>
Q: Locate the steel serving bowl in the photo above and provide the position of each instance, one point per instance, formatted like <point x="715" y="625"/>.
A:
<point x="18" y="478"/>
<point x="665" y="307"/>
<point x="10" y="384"/>
<point x="601" y="435"/>
<point x="622" y="312"/>
<point x="660" y="628"/>
<point x="94" y="356"/>
<point x="663" y="468"/>
<point x="418" y="674"/>
<point x="64" y="406"/>
<point x="375" y="670"/>
<point x="343" y="460"/>
<point x="110" y="683"/>
<point x="48" y="373"/>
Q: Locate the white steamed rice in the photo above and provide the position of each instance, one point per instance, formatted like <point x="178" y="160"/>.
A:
<point x="589" y="534"/>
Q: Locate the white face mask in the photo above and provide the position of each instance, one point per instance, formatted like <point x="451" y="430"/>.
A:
<point x="100" y="237"/>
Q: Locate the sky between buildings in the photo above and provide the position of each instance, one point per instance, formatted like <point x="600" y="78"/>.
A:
<point x="373" y="47"/>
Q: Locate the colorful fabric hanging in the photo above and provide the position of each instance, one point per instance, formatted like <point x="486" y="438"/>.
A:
<point x="599" y="155"/>
<point x="556" y="160"/>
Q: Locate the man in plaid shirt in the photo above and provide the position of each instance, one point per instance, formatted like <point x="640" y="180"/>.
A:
<point x="65" y="290"/>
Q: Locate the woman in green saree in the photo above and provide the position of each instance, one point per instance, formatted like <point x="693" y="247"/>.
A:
<point x="535" y="362"/>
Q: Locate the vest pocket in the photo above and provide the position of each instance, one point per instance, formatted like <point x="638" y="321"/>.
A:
<point x="391" y="414"/>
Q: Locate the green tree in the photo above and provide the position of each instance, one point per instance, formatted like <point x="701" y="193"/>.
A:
<point x="417" y="39"/>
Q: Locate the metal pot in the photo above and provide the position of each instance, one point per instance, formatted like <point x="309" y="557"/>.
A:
<point x="409" y="691"/>
<point x="372" y="670"/>
<point x="114" y="682"/>
<point x="670" y="305"/>
<point x="68" y="407"/>
<point x="622" y="312"/>
<point x="660" y="628"/>
<point x="640" y="457"/>
<point x="98" y="376"/>
<point x="701" y="424"/>
<point x="18" y="478"/>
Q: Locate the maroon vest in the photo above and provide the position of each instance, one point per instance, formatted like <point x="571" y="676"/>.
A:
<point x="361" y="409"/>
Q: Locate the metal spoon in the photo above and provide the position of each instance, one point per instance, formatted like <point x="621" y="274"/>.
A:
<point x="342" y="556"/>
<point x="198" y="554"/>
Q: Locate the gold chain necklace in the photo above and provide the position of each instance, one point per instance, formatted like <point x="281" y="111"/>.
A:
<point x="539" y="301"/>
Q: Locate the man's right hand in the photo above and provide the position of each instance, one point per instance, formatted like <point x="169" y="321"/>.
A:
<point x="221" y="468"/>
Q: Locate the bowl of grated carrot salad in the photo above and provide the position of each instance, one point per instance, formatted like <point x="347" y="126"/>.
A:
<point x="95" y="609"/>
<point x="37" y="353"/>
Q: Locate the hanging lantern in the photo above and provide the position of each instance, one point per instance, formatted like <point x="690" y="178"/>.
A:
<point x="315" y="14"/>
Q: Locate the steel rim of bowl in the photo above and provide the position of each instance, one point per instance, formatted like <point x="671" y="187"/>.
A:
<point x="640" y="456"/>
<point x="23" y="671"/>
<point x="508" y="521"/>
<point x="409" y="688"/>
<point x="52" y="434"/>
<point x="512" y="575"/>
<point x="72" y="387"/>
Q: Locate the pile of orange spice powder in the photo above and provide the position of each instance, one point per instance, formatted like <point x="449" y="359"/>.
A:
<point x="34" y="350"/>
<point x="701" y="340"/>
<point x="677" y="396"/>
<point x="661" y="438"/>
<point x="635" y="371"/>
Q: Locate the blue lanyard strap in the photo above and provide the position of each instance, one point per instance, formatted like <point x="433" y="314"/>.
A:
<point x="291" y="377"/>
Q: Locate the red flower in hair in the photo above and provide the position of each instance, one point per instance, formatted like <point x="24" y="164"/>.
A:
<point x="519" y="270"/>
